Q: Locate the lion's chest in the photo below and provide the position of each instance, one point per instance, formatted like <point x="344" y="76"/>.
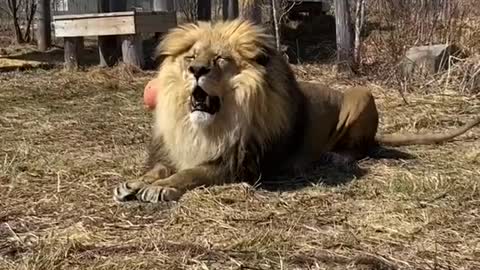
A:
<point x="191" y="153"/>
<point x="189" y="148"/>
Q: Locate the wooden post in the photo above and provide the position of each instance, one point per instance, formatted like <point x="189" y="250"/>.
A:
<point x="132" y="51"/>
<point x="343" y="22"/>
<point x="73" y="49"/>
<point x="107" y="45"/>
<point x="230" y="9"/>
<point x="44" y="30"/>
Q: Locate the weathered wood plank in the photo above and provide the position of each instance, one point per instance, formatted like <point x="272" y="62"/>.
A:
<point x="132" y="52"/>
<point x="95" y="26"/>
<point x="93" y="15"/>
<point x="113" y="23"/>
<point x="73" y="47"/>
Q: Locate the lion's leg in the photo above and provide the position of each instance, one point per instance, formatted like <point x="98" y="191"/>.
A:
<point x="173" y="187"/>
<point x="127" y="191"/>
<point x="158" y="164"/>
<point x="340" y="159"/>
<point x="360" y="123"/>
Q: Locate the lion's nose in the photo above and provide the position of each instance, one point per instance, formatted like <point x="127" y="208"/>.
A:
<point x="198" y="70"/>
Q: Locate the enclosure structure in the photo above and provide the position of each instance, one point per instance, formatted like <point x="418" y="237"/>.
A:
<point x="75" y="19"/>
<point x="307" y="9"/>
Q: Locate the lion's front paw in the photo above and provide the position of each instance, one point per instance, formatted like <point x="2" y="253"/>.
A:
<point x="154" y="194"/>
<point x="127" y="191"/>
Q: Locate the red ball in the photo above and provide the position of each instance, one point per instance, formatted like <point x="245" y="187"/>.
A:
<point x="150" y="95"/>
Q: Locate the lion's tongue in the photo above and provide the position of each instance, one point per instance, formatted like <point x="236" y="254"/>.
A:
<point x="201" y="101"/>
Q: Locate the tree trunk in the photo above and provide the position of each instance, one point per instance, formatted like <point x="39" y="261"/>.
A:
<point x="230" y="9"/>
<point x="73" y="50"/>
<point x="18" y="31"/>
<point x="359" y="20"/>
<point x="13" y="7"/>
<point x="30" y="9"/>
<point x="107" y="45"/>
<point x="132" y="51"/>
<point x="276" y="22"/>
<point x="251" y="10"/>
<point x="44" y="30"/>
<point x="344" y="36"/>
<point x="204" y="10"/>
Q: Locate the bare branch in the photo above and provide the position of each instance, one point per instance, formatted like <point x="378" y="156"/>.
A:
<point x="287" y="9"/>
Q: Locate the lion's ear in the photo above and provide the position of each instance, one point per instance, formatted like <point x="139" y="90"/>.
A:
<point x="178" y="40"/>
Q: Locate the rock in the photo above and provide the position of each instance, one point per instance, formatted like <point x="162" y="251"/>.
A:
<point x="427" y="59"/>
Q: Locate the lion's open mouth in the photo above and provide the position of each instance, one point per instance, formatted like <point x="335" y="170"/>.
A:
<point x="200" y="101"/>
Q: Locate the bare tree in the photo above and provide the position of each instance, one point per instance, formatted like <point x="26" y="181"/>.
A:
<point x="359" y="21"/>
<point x="21" y="11"/>
<point x="344" y="34"/>
<point x="276" y="22"/>
<point x="230" y="9"/>
<point x="251" y="10"/>
<point x="13" y="8"/>
<point x="189" y="9"/>
<point x="30" y="8"/>
<point x="44" y="30"/>
<point x="279" y="10"/>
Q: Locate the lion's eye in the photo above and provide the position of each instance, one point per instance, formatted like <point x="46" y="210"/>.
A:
<point x="189" y="58"/>
<point x="222" y="61"/>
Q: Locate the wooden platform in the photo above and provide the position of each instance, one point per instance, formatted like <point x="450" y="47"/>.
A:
<point x="127" y="24"/>
<point x="113" y="23"/>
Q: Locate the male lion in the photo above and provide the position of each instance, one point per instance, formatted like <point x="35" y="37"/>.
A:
<point x="229" y="109"/>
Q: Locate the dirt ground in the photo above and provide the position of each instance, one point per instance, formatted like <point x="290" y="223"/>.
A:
<point x="66" y="139"/>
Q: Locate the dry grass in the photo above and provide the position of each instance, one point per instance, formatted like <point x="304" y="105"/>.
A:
<point x="67" y="138"/>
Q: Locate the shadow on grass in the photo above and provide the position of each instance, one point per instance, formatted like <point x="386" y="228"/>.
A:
<point x="327" y="172"/>
<point x="89" y="56"/>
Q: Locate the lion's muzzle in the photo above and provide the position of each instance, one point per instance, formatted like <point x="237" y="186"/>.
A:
<point x="201" y="101"/>
<point x="203" y="106"/>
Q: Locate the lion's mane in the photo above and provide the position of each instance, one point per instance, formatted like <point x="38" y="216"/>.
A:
<point x="263" y="104"/>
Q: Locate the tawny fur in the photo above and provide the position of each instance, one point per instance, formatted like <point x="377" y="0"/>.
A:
<point x="267" y="120"/>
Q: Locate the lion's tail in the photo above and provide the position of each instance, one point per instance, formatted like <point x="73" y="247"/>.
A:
<point x="400" y="139"/>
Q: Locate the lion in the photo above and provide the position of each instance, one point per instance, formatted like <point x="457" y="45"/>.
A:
<point x="230" y="109"/>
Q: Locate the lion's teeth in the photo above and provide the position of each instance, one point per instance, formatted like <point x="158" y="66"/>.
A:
<point x="207" y="101"/>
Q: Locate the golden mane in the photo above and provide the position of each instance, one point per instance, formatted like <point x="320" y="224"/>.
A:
<point x="259" y="109"/>
<point x="245" y="38"/>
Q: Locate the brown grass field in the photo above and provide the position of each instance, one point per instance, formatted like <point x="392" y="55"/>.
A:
<point x="66" y="139"/>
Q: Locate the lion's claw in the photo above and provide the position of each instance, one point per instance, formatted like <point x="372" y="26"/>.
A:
<point x="138" y="190"/>
<point x="154" y="194"/>
<point x="127" y="191"/>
